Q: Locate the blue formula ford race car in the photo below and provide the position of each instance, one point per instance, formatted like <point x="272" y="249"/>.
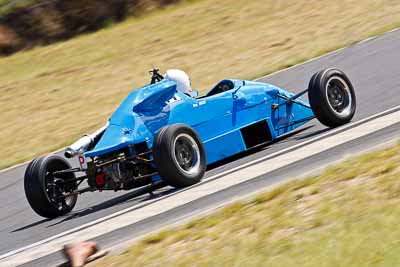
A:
<point x="164" y="133"/>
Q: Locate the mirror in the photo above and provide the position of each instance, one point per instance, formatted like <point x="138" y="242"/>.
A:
<point x="194" y="93"/>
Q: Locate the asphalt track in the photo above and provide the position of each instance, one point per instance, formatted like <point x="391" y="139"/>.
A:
<point x="372" y="65"/>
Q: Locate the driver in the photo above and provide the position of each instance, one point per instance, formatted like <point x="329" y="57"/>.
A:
<point x="182" y="80"/>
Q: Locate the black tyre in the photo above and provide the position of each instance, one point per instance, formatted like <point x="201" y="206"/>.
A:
<point x="332" y="97"/>
<point x="179" y="155"/>
<point x="44" y="192"/>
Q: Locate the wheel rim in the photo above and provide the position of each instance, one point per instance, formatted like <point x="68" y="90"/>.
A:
<point x="339" y="96"/>
<point x="56" y="188"/>
<point x="186" y="154"/>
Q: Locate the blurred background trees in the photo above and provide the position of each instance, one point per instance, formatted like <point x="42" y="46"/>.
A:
<point x="27" y="23"/>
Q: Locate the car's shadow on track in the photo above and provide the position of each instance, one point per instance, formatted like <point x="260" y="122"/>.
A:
<point x="141" y="195"/>
<point x="30" y="225"/>
<point x="144" y="196"/>
<point x="312" y="134"/>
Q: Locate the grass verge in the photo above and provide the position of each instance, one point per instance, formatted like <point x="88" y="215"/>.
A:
<point x="347" y="216"/>
<point x="52" y="95"/>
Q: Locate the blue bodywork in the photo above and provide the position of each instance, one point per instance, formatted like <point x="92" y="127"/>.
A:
<point x="220" y="118"/>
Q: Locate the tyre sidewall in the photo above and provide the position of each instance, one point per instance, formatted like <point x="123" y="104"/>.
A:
<point x="319" y="101"/>
<point x="168" y="168"/>
<point x="35" y="187"/>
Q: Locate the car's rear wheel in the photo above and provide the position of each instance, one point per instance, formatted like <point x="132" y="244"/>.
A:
<point x="179" y="155"/>
<point x="332" y="97"/>
<point x="45" y="192"/>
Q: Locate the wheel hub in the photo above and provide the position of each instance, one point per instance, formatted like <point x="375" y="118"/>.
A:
<point x="187" y="153"/>
<point x="56" y="190"/>
<point x="339" y="97"/>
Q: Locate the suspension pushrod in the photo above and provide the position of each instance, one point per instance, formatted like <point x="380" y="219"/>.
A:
<point x="289" y="100"/>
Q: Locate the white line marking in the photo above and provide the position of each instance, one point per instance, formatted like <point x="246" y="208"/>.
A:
<point x="243" y="173"/>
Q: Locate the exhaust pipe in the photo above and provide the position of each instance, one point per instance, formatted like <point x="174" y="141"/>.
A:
<point x="85" y="143"/>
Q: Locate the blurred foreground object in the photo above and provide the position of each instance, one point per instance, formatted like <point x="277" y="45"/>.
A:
<point x="78" y="254"/>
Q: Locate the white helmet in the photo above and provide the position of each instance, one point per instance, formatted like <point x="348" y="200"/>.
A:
<point x="182" y="80"/>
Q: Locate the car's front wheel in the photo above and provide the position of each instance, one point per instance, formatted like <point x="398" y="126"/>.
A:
<point x="45" y="192"/>
<point x="179" y="155"/>
<point x="332" y="97"/>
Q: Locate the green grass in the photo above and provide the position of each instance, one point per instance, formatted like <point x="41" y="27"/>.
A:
<point x="347" y="216"/>
<point x="50" y="96"/>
